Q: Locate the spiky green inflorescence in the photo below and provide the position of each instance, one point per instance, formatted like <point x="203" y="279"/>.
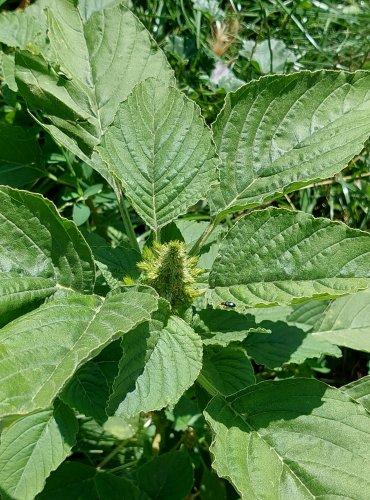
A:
<point x="171" y="272"/>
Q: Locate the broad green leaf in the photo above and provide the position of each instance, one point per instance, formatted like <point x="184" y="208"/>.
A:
<point x="346" y="322"/>
<point x="296" y="438"/>
<point x="7" y="66"/>
<point x="120" y="261"/>
<point x="160" y="361"/>
<point x="283" y="132"/>
<point x="221" y="328"/>
<point x="88" y="7"/>
<point x="226" y="370"/>
<point x="306" y="314"/>
<point x="21" y="29"/>
<point x="40" y="253"/>
<point x="169" y="476"/>
<point x="32" y="447"/>
<point x="89" y="388"/>
<point x="278" y="257"/>
<point x="286" y="344"/>
<point x="40" y="351"/>
<point x="79" y="481"/>
<point x="212" y="487"/>
<point x="302" y="315"/>
<point x="88" y="391"/>
<point x="21" y="161"/>
<point x="360" y="391"/>
<point x="161" y="151"/>
<point x="95" y="65"/>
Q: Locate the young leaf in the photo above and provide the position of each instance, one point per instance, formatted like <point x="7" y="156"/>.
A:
<point x="96" y="65"/>
<point x="296" y="439"/>
<point x="41" y="350"/>
<point x="286" y="131"/>
<point x="161" y="151"/>
<point x="40" y="252"/>
<point x="77" y="480"/>
<point x="160" y="361"/>
<point x="286" y="344"/>
<point x="226" y="370"/>
<point x="346" y="322"/>
<point x="277" y="256"/>
<point x="169" y="476"/>
<point x="32" y="447"/>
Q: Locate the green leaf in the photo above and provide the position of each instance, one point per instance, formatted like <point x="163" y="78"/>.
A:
<point x="21" y="161"/>
<point x="296" y="439"/>
<point x="167" y="477"/>
<point x="272" y="55"/>
<point x="302" y="315"/>
<point x="191" y="231"/>
<point x="221" y="328"/>
<point x="186" y="414"/>
<point x="306" y="314"/>
<point x="160" y="361"/>
<point x="79" y="481"/>
<point x="212" y="487"/>
<point x="346" y="322"/>
<point x="88" y="391"/>
<point x="40" y="253"/>
<point x="286" y="344"/>
<point x="20" y="29"/>
<point x="32" y="447"/>
<point x="283" y="132"/>
<point x="88" y="7"/>
<point x="41" y="350"/>
<point x="360" y="391"/>
<point x="120" y="261"/>
<point x="7" y="66"/>
<point x="161" y="151"/>
<point x="121" y="428"/>
<point x="96" y="65"/>
<point x="80" y="213"/>
<point x="226" y="370"/>
<point x="277" y="256"/>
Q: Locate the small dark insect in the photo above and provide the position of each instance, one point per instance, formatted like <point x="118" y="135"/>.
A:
<point x="227" y="303"/>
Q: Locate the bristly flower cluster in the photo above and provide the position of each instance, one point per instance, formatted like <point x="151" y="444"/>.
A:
<point x="171" y="272"/>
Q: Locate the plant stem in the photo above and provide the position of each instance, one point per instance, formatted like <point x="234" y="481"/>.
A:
<point x="112" y="454"/>
<point x="126" y="217"/>
<point x="202" y="239"/>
